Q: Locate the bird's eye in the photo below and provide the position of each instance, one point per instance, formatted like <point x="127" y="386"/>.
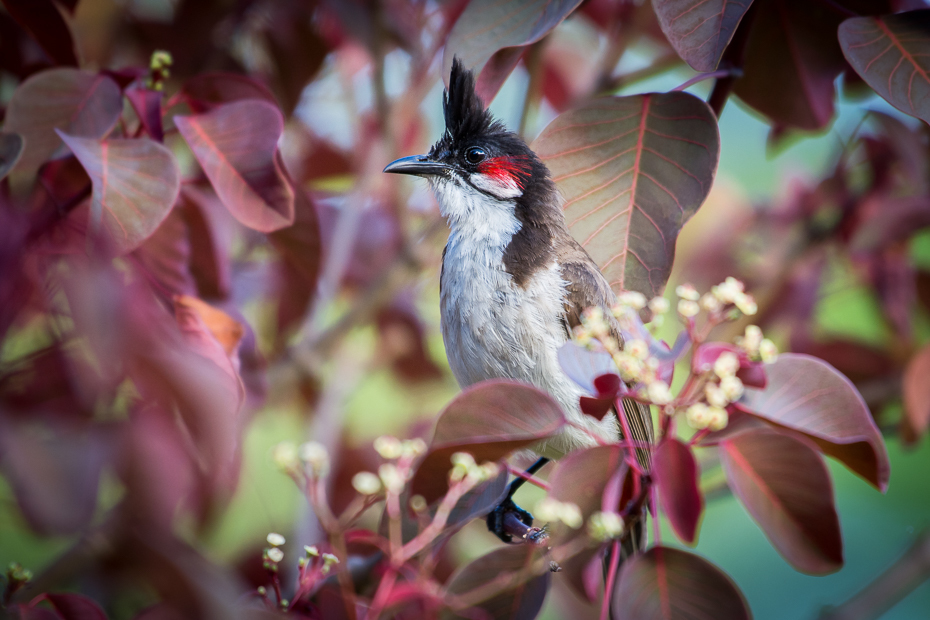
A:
<point x="475" y="154"/>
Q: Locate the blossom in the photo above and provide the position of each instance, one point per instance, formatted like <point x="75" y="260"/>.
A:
<point x="768" y="352"/>
<point x="726" y="365"/>
<point x="551" y="509"/>
<point x="687" y="292"/>
<point x="659" y="305"/>
<point x="603" y="526"/>
<point x="632" y="299"/>
<point x="732" y="388"/>
<point x="388" y="447"/>
<point x="274" y="554"/>
<point x="315" y="456"/>
<point x="275" y="540"/>
<point x="366" y="483"/>
<point x="391" y="478"/>
<point x="659" y="393"/>
<point x="688" y="308"/>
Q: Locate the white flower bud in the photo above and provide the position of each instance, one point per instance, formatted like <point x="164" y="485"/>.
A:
<point x="604" y="526"/>
<point x="768" y="351"/>
<point x="746" y="304"/>
<point x="711" y="303"/>
<point x="732" y="388"/>
<point x="632" y="299"/>
<point x="418" y="503"/>
<point x="274" y="554"/>
<point x="658" y="393"/>
<point x="366" y="483"/>
<point x="718" y="418"/>
<point x="284" y="456"/>
<point x="659" y="305"/>
<point x="698" y="416"/>
<point x="388" y="447"/>
<point x="687" y="292"/>
<point x="715" y="395"/>
<point x="688" y="309"/>
<point x="548" y="509"/>
<point x="311" y="551"/>
<point x="275" y="540"/>
<point x="413" y="448"/>
<point x="570" y="515"/>
<point x="315" y="456"/>
<point x="726" y="365"/>
<point x="391" y="478"/>
<point x="637" y="348"/>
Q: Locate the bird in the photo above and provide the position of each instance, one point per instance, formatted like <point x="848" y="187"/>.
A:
<point x="514" y="282"/>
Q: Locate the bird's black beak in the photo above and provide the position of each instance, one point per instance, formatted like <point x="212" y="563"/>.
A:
<point x="420" y="165"/>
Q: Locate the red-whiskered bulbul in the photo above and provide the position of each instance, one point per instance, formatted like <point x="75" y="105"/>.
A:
<point x="514" y="281"/>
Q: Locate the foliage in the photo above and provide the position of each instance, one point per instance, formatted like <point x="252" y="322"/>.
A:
<point x="183" y="246"/>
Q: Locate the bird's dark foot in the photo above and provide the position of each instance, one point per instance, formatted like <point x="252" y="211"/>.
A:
<point x="512" y="524"/>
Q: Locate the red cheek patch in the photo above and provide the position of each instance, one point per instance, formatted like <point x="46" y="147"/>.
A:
<point x="507" y="170"/>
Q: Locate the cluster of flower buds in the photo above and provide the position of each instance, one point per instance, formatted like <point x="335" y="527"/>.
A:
<point x="757" y="347"/>
<point x="552" y="510"/>
<point x="310" y="457"/>
<point x="391" y="448"/>
<point x="465" y="468"/>
<point x="730" y="292"/>
<point x="160" y="67"/>
<point x="273" y="555"/>
<point x="311" y="553"/>
<point x="604" y="526"/>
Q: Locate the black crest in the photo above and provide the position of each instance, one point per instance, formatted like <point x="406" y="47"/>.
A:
<point x="463" y="109"/>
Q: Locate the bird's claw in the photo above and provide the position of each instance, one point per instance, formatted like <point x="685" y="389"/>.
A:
<point x="508" y="521"/>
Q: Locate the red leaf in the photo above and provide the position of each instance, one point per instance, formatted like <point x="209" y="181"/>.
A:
<point x="750" y="373"/>
<point x="633" y="170"/>
<point x="786" y="487"/>
<point x="208" y="90"/>
<point x="54" y="474"/>
<point x="917" y="394"/>
<point x="300" y="246"/>
<point x="147" y="104"/>
<point x="670" y="584"/>
<point x="76" y="607"/>
<point x="520" y="602"/>
<point x="890" y="53"/>
<point x="236" y="145"/>
<point x="608" y="387"/>
<point x="496" y="71"/>
<point x="136" y="182"/>
<point x="486" y="26"/>
<point x="490" y="420"/>
<point x="79" y="103"/>
<point x="166" y="255"/>
<point x="209" y="223"/>
<point x="676" y="479"/>
<point x="808" y="395"/>
<point x="46" y="25"/>
<point x="12" y="146"/>
<point x="700" y="31"/>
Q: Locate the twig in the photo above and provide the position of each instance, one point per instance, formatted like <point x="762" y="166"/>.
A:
<point x="700" y="77"/>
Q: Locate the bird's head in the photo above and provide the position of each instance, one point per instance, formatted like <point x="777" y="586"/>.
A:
<point x="477" y="164"/>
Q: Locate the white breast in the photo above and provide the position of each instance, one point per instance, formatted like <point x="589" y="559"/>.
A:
<point x="493" y="328"/>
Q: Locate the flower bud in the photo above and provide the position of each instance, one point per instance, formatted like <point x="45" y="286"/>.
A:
<point x="418" y="503"/>
<point x="768" y="352"/>
<point x="366" y="483"/>
<point x="732" y="388"/>
<point x="604" y="526"/>
<point x="632" y="299"/>
<point x="658" y="393"/>
<point x="637" y="348"/>
<point x="659" y="305"/>
<point x="284" y="456"/>
<point x="274" y="554"/>
<point x="388" y="447"/>
<point x="726" y="365"/>
<point x="687" y="292"/>
<point x="275" y="540"/>
<point x="413" y="448"/>
<point x="711" y="303"/>
<point x="311" y="551"/>
<point x="718" y="418"/>
<point x="315" y="456"/>
<point x="746" y="304"/>
<point x="688" y="308"/>
<point x="715" y="396"/>
<point x="391" y="478"/>
<point x="698" y="416"/>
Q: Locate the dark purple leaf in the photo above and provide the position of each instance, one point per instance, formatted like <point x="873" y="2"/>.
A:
<point x="676" y="479"/>
<point x="486" y="26"/>
<point x="891" y="54"/>
<point x="608" y="388"/>
<point x="633" y="170"/>
<point x="496" y="71"/>
<point x="582" y="477"/>
<point x="236" y="145"/>
<point x="300" y="247"/>
<point x="46" y="25"/>
<point x="917" y="394"/>
<point x="136" y="182"/>
<point x="785" y="486"/>
<point x="489" y="420"/>
<point x="670" y="584"/>
<point x="792" y="60"/>
<point x="166" y="255"/>
<point x="509" y="564"/>
<point x="700" y="31"/>
<point x="809" y="396"/>
<point x="76" y="607"/>
<point x="78" y="103"/>
<point x="147" y="104"/>
<point x="209" y="223"/>
<point x="11" y="149"/>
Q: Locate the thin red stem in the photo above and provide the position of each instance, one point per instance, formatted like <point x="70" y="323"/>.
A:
<point x="611" y="578"/>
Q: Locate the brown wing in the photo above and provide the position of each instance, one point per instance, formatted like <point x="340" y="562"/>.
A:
<point x="586" y="287"/>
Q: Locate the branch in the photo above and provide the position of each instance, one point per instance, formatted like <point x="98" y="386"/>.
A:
<point x="911" y="569"/>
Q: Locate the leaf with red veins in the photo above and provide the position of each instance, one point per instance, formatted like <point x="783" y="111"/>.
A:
<point x="135" y="184"/>
<point x="236" y="144"/>
<point x="809" y="396"/>
<point x="633" y="171"/>
<point x="667" y="584"/>
<point x="488" y="26"/>
<point x="785" y="486"/>
<point x="700" y="30"/>
<point x="79" y="103"/>
<point x="892" y="54"/>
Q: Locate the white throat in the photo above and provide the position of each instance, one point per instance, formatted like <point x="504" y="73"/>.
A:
<point x="476" y="221"/>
